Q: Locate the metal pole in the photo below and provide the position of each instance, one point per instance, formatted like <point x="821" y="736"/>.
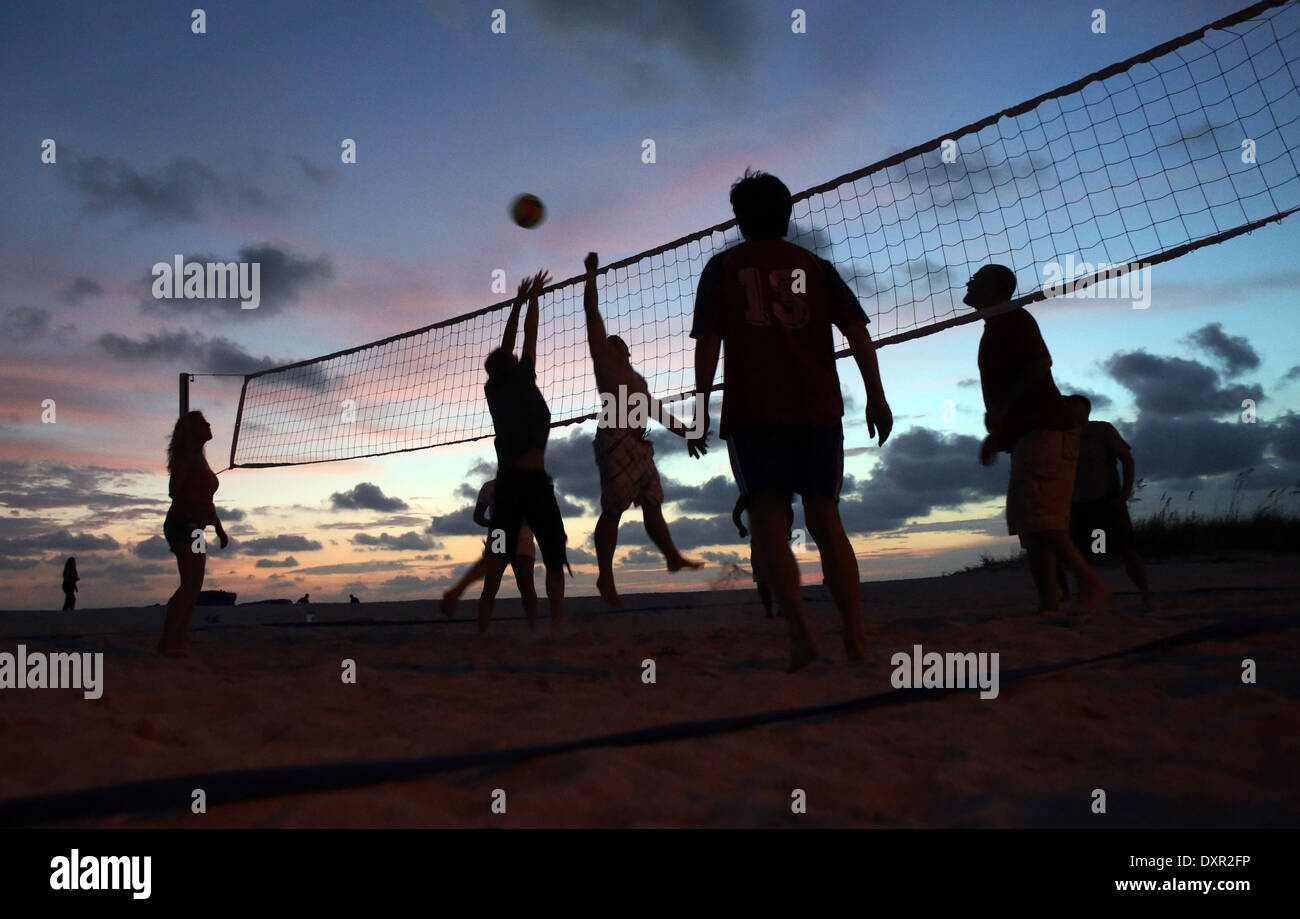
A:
<point x="185" y="394"/>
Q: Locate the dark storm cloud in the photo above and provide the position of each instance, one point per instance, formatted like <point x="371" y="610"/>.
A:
<point x="1100" y="401"/>
<point x="1286" y="437"/>
<point x="457" y="523"/>
<point x="715" y="496"/>
<point x="687" y="532"/>
<point x="282" y="279"/>
<point x="61" y="540"/>
<point x="30" y="486"/>
<point x="155" y="547"/>
<point x="366" y="496"/>
<point x="173" y="193"/>
<point x="572" y="463"/>
<point x="715" y="37"/>
<point x="1181" y="448"/>
<point x="18" y="564"/>
<point x="1233" y="351"/>
<point x="195" y="350"/>
<point x="408" y="541"/>
<point x="27" y="323"/>
<point x="80" y="289"/>
<point x="920" y="470"/>
<point x="22" y="323"/>
<point x="1176" y="386"/>
<point x="272" y="545"/>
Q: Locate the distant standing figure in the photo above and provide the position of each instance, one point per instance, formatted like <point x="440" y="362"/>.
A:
<point x="191" y="486"/>
<point x="1027" y="416"/>
<point x="1100" y="498"/>
<point x="70" y="580"/>
<point x="353" y="598"/>
<point x="305" y="599"/>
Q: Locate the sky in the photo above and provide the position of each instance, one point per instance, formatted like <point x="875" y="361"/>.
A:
<point x="228" y="143"/>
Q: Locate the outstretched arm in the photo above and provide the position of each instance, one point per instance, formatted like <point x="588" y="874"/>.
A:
<point x="880" y="420"/>
<point x="735" y="516"/>
<point x="539" y="281"/>
<point x="695" y="445"/>
<point x="596" y="338"/>
<point x="512" y="324"/>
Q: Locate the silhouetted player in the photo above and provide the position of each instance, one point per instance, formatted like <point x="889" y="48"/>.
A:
<point x="525" y="494"/>
<point x="191" y="487"/>
<point x="1100" y="498"/>
<point x="490" y="567"/>
<point x="624" y="455"/>
<point x="352" y="598"/>
<point x="70" y="580"/>
<point x="773" y="304"/>
<point x="1027" y="417"/>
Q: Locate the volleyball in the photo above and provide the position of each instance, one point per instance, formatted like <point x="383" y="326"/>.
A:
<point x="527" y="211"/>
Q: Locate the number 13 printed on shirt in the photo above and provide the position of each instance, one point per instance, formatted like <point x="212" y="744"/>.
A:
<point x="788" y="289"/>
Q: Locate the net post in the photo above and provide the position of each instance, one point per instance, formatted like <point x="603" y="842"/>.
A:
<point x="239" y="417"/>
<point x="185" y="394"/>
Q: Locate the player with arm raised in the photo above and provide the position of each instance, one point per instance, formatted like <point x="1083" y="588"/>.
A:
<point x="525" y="494"/>
<point x="773" y="304"/>
<point x="624" y="455"/>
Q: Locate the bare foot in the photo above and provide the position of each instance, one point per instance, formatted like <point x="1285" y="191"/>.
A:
<point x="855" y="645"/>
<point x="607" y="592"/>
<point x="681" y="561"/>
<point x="801" y="655"/>
<point x="449" y="602"/>
<point x="1093" y="600"/>
<point x="1147" y="603"/>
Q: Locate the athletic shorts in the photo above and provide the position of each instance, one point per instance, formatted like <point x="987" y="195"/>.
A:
<point x="1110" y="515"/>
<point x="179" y="534"/>
<point x="527" y="497"/>
<point x="627" y="470"/>
<point x="1042" y="481"/>
<point x="788" y="458"/>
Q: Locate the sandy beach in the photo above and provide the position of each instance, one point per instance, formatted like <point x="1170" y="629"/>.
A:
<point x="1174" y="738"/>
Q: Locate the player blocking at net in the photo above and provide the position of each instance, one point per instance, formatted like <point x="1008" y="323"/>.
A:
<point x="624" y="454"/>
<point x="773" y="304"/>
<point x="525" y="494"/>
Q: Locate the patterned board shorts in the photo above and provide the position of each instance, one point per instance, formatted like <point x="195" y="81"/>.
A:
<point x="627" y="470"/>
<point x="1041" y="482"/>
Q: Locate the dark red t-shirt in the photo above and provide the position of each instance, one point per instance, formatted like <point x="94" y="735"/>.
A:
<point x="778" y="350"/>
<point x="1010" y="343"/>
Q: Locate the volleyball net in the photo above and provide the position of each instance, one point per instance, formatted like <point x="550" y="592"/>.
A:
<point x="1183" y="146"/>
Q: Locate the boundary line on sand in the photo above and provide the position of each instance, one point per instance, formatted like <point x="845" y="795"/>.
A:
<point x="164" y="795"/>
